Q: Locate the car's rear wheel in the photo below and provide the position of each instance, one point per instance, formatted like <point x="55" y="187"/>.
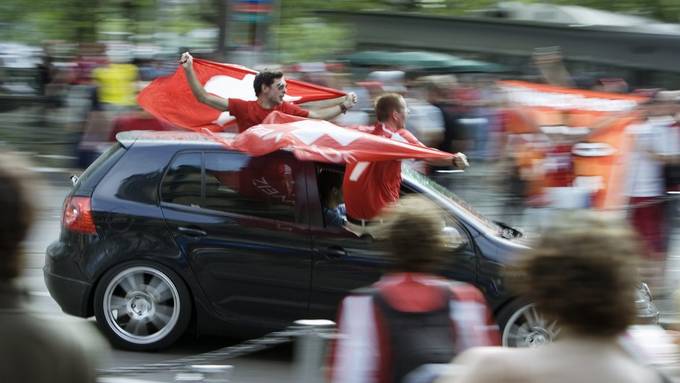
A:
<point x="523" y="326"/>
<point x="142" y="306"/>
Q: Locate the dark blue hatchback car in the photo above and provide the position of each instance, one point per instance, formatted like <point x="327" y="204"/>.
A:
<point x="169" y="231"/>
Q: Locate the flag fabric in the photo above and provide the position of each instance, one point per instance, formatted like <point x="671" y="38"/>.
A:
<point x="605" y="115"/>
<point x="317" y="140"/>
<point x="170" y="98"/>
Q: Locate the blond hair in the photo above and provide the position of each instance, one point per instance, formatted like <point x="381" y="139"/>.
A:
<point x="414" y="234"/>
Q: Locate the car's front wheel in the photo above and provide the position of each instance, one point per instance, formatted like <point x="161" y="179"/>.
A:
<point x="523" y="326"/>
<point x="142" y="306"/>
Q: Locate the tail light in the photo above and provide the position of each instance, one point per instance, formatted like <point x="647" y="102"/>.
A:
<point x="78" y="215"/>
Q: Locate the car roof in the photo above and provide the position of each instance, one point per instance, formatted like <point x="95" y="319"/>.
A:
<point x="160" y="138"/>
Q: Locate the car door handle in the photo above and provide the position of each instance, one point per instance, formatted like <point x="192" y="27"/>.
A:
<point x="334" y="252"/>
<point x="192" y="231"/>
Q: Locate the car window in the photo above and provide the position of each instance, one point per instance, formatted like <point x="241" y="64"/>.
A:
<point x="182" y="182"/>
<point x="99" y="168"/>
<point x="256" y="186"/>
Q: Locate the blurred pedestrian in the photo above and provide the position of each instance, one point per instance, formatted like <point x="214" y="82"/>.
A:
<point x="426" y="121"/>
<point x="581" y="273"/>
<point x="34" y="349"/>
<point x="117" y="84"/>
<point x="270" y="88"/>
<point x="410" y="317"/>
<point x="645" y="187"/>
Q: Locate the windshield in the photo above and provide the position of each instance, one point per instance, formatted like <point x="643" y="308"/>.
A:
<point x="444" y="192"/>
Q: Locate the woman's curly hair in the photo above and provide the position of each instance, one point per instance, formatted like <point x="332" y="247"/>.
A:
<point x="414" y="234"/>
<point x="583" y="272"/>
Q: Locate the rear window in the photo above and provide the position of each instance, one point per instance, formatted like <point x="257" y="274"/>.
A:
<point x="263" y="187"/>
<point x="95" y="172"/>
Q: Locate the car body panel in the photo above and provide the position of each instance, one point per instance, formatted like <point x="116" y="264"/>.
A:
<point x="244" y="271"/>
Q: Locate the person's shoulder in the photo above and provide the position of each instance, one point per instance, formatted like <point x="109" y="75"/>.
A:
<point x="466" y="292"/>
<point x="408" y="136"/>
<point x="483" y="364"/>
<point x="239" y="102"/>
<point x="483" y="355"/>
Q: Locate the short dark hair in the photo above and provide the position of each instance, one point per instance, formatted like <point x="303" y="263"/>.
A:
<point x="17" y="213"/>
<point x="414" y="234"/>
<point x="582" y="272"/>
<point x="328" y="180"/>
<point x="386" y="104"/>
<point x="265" y="78"/>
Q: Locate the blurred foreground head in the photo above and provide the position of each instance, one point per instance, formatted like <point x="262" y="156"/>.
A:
<point x="17" y="210"/>
<point x="414" y="234"/>
<point x="582" y="272"/>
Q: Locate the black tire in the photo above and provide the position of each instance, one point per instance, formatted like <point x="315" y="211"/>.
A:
<point x="155" y="303"/>
<point x="522" y="326"/>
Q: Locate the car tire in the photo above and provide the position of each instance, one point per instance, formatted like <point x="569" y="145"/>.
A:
<point x="142" y="306"/>
<point x="523" y="326"/>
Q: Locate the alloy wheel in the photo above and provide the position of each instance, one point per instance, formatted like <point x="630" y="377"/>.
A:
<point x="141" y="305"/>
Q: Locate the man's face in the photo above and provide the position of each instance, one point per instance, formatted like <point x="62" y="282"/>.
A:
<point x="401" y="115"/>
<point x="276" y="91"/>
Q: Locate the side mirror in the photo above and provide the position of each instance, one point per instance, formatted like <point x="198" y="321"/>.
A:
<point x="453" y="238"/>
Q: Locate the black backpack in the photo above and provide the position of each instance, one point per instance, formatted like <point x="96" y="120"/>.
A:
<point x="416" y="338"/>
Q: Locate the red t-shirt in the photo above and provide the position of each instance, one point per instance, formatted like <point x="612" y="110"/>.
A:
<point x="370" y="186"/>
<point x="251" y="113"/>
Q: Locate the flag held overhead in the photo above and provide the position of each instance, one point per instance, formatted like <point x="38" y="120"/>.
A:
<point x="170" y="98"/>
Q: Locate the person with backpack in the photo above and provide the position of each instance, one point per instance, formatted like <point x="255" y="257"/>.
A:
<point x="410" y="317"/>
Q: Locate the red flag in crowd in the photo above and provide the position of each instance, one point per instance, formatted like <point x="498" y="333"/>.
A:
<point x="170" y="98"/>
<point x="317" y="140"/>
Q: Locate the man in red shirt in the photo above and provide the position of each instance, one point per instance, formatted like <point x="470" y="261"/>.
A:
<point x="369" y="187"/>
<point x="270" y="88"/>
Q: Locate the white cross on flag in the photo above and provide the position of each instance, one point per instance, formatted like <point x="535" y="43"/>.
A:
<point x="316" y="140"/>
<point x="170" y="98"/>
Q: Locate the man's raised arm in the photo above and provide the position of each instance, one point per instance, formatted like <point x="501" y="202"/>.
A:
<point x="219" y="103"/>
<point x="341" y="105"/>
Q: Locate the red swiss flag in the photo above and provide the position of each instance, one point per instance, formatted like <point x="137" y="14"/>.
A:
<point x="170" y="98"/>
<point x="317" y="140"/>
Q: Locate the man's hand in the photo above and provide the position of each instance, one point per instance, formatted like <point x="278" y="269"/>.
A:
<point x="186" y="60"/>
<point x="350" y="100"/>
<point x="460" y="161"/>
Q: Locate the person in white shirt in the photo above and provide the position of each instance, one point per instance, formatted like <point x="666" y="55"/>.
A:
<point x="645" y="185"/>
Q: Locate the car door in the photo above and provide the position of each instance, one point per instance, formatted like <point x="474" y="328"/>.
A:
<point x="241" y="223"/>
<point x="344" y="261"/>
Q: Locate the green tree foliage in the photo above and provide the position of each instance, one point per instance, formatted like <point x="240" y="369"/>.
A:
<point x="297" y="32"/>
